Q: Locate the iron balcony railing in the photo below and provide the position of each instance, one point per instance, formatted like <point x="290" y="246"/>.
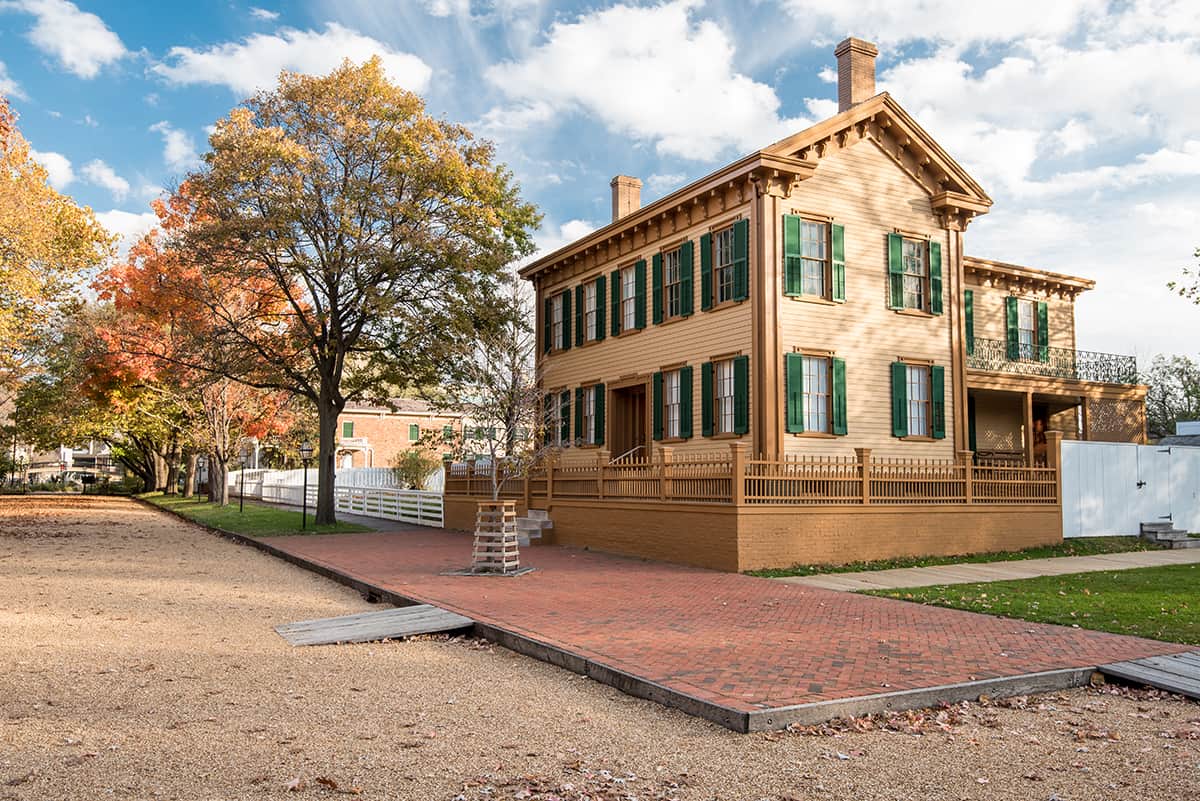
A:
<point x="1082" y="365"/>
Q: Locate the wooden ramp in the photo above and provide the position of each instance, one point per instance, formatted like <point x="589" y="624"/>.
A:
<point x="388" y="624"/>
<point x="1178" y="673"/>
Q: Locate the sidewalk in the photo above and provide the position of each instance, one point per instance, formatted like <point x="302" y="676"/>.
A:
<point x="992" y="571"/>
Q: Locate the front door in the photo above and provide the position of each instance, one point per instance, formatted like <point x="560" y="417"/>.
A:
<point x="627" y="422"/>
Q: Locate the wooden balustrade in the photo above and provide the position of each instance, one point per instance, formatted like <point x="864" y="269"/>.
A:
<point x="733" y="477"/>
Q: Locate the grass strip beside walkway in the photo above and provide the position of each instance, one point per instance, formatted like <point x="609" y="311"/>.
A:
<point x="256" y="521"/>
<point x="1156" y="602"/>
<point x="1080" y="546"/>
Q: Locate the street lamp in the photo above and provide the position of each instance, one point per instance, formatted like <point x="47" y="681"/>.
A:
<point x="306" y="452"/>
<point x="243" y="457"/>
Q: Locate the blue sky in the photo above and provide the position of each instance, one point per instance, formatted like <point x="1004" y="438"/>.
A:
<point x="1077" y="116"/>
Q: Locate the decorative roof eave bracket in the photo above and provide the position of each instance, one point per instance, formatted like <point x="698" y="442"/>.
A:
<point x="955" y="210"/>
<point x="778" y="175"/>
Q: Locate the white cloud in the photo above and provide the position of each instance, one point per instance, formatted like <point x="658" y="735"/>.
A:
<point x="179" y="151"/>
<point x="129" y="227"/>
<point x="58" y="168"/>
<point x="8" y="86"/>
<point x="550" y="238"/>
<point x="255" y="63"/>
<point x="891" y="21"/>
<point x="1074" y="137"/>
<point x="662" y="183"/>
<point x="100" y="174"/>
<point x="649" y="74"/>
<point x="80" y="41"/>
<point x="264" y="14"/>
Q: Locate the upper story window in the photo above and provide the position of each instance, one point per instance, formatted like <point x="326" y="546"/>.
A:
<point x="723" y="265"/>
<point x="629" y="298"/>
<point x="723" y="397"/>
<point x="672" y="406"/>
<point x="814" y="252"/>
<point x="591" y="312"/>
<point x="916" y="274"/>
<point x="1026" y="329"/>
<point x="347" y="429"/>
<point x="919" y="394"/>
<point x="558" y="319"/>
<point x="672" y="284"/>
<point x="447" y="433"/>
<point x="414" y="432"/>
<point x="816" y="394"/>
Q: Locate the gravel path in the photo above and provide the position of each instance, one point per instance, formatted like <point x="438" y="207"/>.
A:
<point x="137" y="660"/>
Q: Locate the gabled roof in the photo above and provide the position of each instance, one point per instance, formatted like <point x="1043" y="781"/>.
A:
<point x="953" y="193"/>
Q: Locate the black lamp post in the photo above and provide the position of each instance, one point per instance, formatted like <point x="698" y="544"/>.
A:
<point x="306" y="452"/>
<point x="243" y="457"/>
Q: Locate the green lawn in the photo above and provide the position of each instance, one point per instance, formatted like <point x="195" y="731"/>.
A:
<point x="1162" y="603"/>
<point x="1082" y="546"/>
<point x="256" y="521"/>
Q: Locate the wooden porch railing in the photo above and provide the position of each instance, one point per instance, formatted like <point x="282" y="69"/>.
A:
<point x="732" y="477"/>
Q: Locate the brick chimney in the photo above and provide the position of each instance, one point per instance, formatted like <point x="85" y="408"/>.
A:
<point x="856" y="72"/>
<point x="626" y="196"/>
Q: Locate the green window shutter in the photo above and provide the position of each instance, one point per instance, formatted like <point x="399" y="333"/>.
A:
<point x="547" y="418"/>
<point x="639" y="298"/>
<point x="615" y="293"/>
<point x="656" y="288"/>
<point x="579" y="315"/>
<point x="1043" y="331"/>
<point x="706" y="287"/>
<point x="706" y="399"/>
<point x="837" y="236"/>
<point x="741" y="394"/>
<point x="838" y="421"/>
<point x="564" y="410"/>
<point x="937" y="397"/>
<point x="686" y="259"/>
<point x="414" y="430"/>
<point x="547" y="325"/>
<point x="579" y="413"/>
<point x="899" y="399"/>
<point x="1011" y="334"/>
<point x="969" y="315"/>
<point x="685" y="402"/>
<point x="741" y="260"/>
<point x="601" y="306"/>
<point x="656" y="398"/>
<point x="793" y="264"/>
<point x="348" y="429"/>
<point x="599" y="430"/>
<point x="566" y="329"/>
<point x="935" y="277"/>
<point x="793" y="383"/>
<point x="895" y="271"/>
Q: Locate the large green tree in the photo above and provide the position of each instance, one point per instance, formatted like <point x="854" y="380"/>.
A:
<point x="1174" y="393"/>
<point x="381" y="232"/>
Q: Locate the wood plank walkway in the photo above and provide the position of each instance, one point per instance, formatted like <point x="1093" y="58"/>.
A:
<point x="1176" y="673"/>
<point x="388" y="624"/>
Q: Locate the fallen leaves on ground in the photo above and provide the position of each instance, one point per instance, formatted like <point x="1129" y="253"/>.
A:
<point x="583" y="783"/>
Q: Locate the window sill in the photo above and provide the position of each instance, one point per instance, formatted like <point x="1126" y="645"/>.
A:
<point x="725" y="304"/>
<point x="914" y="312"/>
<point x="677" y="318"/>
<point x="726" y="435"/>
<point x="915" y="438"/>
<point x="813" y="435"/>
<point x="672" y="440"/>
<point x="625" y="332"/>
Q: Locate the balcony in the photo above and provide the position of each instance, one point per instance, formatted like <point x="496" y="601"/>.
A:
<point x="1078" y="365"/>
<point x="353" y="443"/>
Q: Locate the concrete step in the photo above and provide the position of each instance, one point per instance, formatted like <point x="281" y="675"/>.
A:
<point x="538" y="514"/>
<point x="1156" y="526"/>
<point x="533" y="524"/>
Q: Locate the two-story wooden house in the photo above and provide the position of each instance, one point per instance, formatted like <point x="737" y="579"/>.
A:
<point x="811" y="303"/>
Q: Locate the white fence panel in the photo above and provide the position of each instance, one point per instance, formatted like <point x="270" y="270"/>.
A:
<point x="407" y="506"/>
<point x="1113" y="487"/>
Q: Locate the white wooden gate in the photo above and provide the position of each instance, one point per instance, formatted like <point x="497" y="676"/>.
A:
<point x="1113" y="487"/>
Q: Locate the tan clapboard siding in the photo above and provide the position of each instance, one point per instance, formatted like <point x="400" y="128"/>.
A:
<point x="998" y="422"/>
<point x="862" y="189"/>
<point x="692" y="340"/>
<point x="990" y="315"/>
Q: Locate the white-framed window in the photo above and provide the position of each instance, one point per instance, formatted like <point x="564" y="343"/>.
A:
<point x="816" y="393"/>
<point x="672" y="285"/>
<point x="723" y="265"/>
<point x="916" y="273"/>
<point x="723" y="392"/>
<point x="671" y="404"/>
<point x="557" y="320"/>
<point x="591" y="315"/>
<point x="1027" y="329"/>
<point x="628" y="298"/>
<point x="589" y="415"/>
<point x="919" y="413"/>
<point x="814" y="252"/>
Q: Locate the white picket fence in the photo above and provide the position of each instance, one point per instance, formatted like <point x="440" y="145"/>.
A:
<point x="367" y="491"/>
<point x="1112" y="487"/>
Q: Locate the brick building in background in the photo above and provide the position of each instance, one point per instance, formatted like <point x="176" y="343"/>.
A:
<point x="371" y="436"/>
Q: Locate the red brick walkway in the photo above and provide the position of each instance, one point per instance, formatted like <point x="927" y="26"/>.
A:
<point x="740" y="642"/>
